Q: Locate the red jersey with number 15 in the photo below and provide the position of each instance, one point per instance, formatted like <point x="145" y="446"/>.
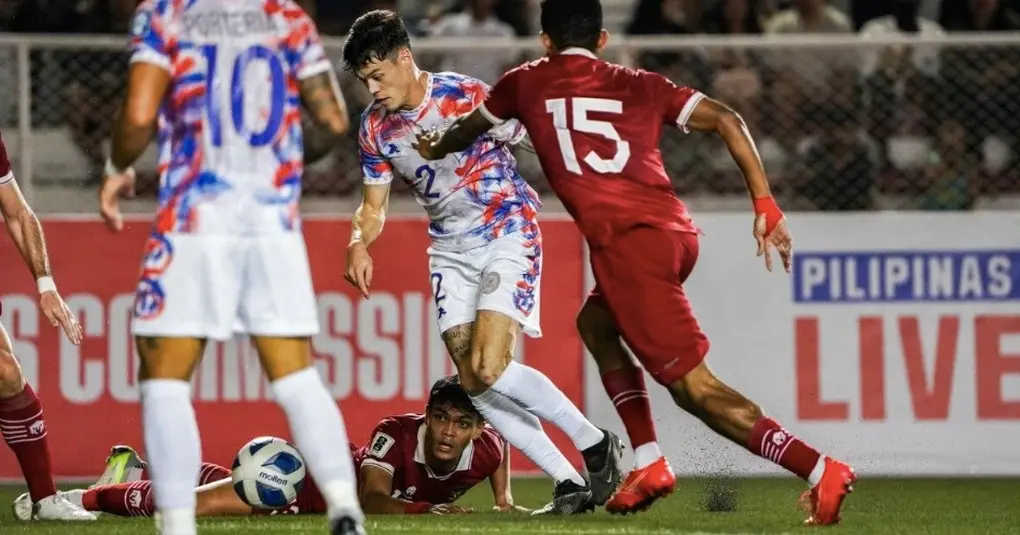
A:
<point x="596" y="128"/>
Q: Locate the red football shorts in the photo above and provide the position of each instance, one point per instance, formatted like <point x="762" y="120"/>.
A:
<point x="639" y="279"/>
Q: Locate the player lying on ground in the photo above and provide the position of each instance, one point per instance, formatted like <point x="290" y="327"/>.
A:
<point x="596" y="128"/>
<point x="226" y="253"/>
<point x="485" y="257"/>
<point x="414" y="464"/>
<point x="21" y="415"/>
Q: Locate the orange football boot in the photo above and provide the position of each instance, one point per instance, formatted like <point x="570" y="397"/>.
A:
<point x="824" y="500"/>
<point x="642" y="487"/>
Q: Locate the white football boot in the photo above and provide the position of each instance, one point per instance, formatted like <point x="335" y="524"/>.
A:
<point x="56" y="507"/>
<point x="122" y="466"/>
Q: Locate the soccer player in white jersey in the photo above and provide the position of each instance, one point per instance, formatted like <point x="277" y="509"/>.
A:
<point x="486" y="253"/>
<point x="225" y="80"/>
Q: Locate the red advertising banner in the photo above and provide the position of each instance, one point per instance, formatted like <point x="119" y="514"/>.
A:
<point x="377" y="356"/>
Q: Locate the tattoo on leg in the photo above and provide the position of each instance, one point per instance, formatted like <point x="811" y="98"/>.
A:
<point x="458" y="342"/>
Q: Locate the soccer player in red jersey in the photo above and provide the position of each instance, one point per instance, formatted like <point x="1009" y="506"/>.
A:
<point x="21" y="415"/>
<point x="413" y="464"/>
<point x="596" y="128"/>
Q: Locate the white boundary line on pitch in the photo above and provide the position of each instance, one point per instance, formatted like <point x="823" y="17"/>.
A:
<point x="558" y="530"/>
<point x="530" y="528"/>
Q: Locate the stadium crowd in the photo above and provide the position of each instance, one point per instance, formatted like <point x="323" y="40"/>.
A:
<point x="924" y="127"/>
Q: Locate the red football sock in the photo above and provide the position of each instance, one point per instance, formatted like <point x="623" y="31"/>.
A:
<point x="212" y="473"/>
<point x="24" y="430"/>
<point x="771" y="441"/>
<point x="209" y="473"/>
<point x="626" y="388"/>
<point x="125" y="499"/>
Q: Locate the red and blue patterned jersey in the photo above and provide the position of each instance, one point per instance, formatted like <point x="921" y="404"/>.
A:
<point x="471" y="197"/>
<point x="230" y="141"/>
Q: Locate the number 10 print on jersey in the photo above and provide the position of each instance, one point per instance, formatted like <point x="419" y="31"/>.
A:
<point x="239" y="74"/>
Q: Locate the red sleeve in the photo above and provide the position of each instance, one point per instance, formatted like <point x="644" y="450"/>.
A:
<point x="384" y="450"/>
<point x="676" y="102"/>
<point x="6" y="174"/>
<point x="501" y="104"/>
<point x="490" y="447"/>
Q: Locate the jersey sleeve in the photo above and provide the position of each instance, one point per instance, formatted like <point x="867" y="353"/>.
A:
<point x="500" y="105"/>
<point x="151" y="41"/>
<point x="676" y="102"/>
<point x="491" y="447"/>
<point x="305" y="45"/>
<point x="511" y="131"/>
<point x="384" y="450"/>
<point x="6" y="172"/>
<point x="376" y="169"/>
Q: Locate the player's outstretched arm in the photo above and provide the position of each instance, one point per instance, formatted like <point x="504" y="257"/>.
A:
<point x="26" y="231"/>
<point x="457" y="138"/>
<point x="366" y="226"/>
<point x="136" y="123"/>
<point x="133" y="130"/>
<point x="502" y="498"/>
<point x="219" y="499"/>
<point x="376" y="494"/>
<point x="770" y="228"/>
<point x="323" y="99"/>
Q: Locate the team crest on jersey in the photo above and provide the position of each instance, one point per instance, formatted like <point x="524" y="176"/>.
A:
<point x="490" y="281"/>
<point x="381" y="444"/>
<point x="141" y="23"/>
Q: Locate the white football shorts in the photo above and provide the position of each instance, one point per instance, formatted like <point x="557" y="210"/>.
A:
<point x="502" y="276"/>
<point x="209" y="286"/>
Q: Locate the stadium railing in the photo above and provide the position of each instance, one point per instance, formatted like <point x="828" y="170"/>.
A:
<point x="842" y="122"/>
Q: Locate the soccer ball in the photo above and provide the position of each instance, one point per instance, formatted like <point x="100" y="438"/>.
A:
<point x="268" y="473"/>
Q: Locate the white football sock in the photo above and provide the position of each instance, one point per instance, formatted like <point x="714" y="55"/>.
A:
<point x="173" y="451"/>
<point x="524" y="431"/>
<point x="646" y="454"/>
<point x="534" y="391"/>
<point x="320" y="436"/>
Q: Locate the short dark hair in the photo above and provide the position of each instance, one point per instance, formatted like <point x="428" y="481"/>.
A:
<point x="572" y="23"/>
<point x="448" y="392"/>
<point x="375" y="36"/>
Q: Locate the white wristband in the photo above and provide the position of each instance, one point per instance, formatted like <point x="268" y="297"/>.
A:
<point x="46" y="284"/>
<point x="109" y="169"/>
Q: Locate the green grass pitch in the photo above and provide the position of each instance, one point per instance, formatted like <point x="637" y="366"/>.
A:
<point x="764" y="506"/>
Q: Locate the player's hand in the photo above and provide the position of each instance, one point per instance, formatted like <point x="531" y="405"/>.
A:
<point x="359" y="268"/>
<point x="114" y="187"/>
<point x="779" y="239"/>
<point x="58" y="314"/>
<point x="510" y="508"/>
<point x="445" y="509"/>
<point x="426" y="144"/>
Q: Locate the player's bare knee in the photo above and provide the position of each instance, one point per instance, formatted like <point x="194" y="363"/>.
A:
<point x="168" y="358"/>
<point x="11" y="379"/>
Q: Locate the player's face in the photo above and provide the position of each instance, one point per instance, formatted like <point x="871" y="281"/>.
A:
<point x="449" y="432"/>
<point x="389" y="80"/>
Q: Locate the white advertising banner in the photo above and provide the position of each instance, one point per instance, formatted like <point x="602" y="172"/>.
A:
<point x="894" y="344"/>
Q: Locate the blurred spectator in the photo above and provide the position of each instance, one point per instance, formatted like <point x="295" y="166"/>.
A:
<point x="807" y="80"/>
<point x="838" y="173"/>
<point x="516" y="13"/>
<point x="982" y="90"/>
<point x="948" y="175"/>
<point x="899" y="82"/>
<point x="737" y="74"/>
<point x="96" y="78"/>
<point x="659" y="17"/>
<point x="45" y="16"/>
<point x="478" y="22"/>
